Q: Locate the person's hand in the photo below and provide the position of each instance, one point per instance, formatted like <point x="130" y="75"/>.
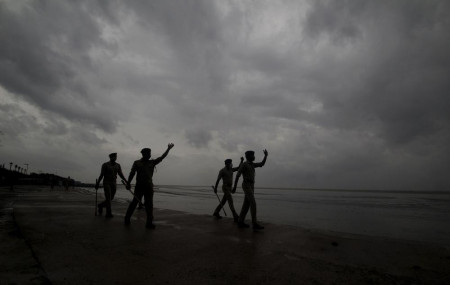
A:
<point x="170" y="145"/>
<point x="265" y="152"/>
<point x="128" y="186"/>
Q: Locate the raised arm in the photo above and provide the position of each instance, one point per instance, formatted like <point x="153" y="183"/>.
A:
<point x="169" y="147"/>
<point x="237" y="168"/>
<point x="261" y="164"/>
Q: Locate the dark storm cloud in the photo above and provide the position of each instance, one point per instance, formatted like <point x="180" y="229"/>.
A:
<point x="361" y="69"/>
<point x="372" y="74"/>
<point x="197" y="67"/>
<point x="342" y="93"/>
<point x="198" y="137"/>
<point x="44" y="53"/>
<point x="338" y="19"/>
<point x="22" y="125"/>
<point x="401" y="80"/>
<point x="16" y="121"/>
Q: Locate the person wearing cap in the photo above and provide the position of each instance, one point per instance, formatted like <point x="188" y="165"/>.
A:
<point x="144" y="168"/>
<point x="226" y="174"/>
<point x="109" y="173"/>
<point x="247" y="170"/>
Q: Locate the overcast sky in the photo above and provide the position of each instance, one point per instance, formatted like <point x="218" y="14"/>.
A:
<point x="343" y="94"/>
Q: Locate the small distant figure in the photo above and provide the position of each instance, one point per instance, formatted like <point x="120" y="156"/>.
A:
<point x="109" y="173"/>
<point x="144" y="168"/>
<point x="247" y="169"/>
<point x="226" y="174"/>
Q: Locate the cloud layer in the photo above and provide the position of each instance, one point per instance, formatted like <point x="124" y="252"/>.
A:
<point x="343" y="94"/>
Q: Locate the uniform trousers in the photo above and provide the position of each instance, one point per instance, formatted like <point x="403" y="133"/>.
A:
<point x="140" y="191"/>
<point x="110" y="191"/>
<point x="249" y="202"/>
<point x="227" y="197"/>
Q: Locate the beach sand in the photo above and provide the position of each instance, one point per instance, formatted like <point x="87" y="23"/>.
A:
<point x="53" y="237"/>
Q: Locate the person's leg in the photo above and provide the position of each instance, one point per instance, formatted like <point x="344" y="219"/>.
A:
<point x="244" y="210"/>
<point x="217" y="210"/>
<point x="133" y="204"/>
<point x="103" y="204"/>
<point x="249" y="202"/>
<point x="229" y="198"/>
<point x="252" y="202"/>
<point x="113" y="191"/>
<point x="107" y="202"/>
<point x="224" y="200"/>
<point x="219" y="207"/>
<point x="141" y="205"/>
<point x="148" y="195"/>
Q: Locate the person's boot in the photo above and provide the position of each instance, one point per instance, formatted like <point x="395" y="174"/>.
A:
<point x="257" y="226"/>
<point x="236" y="219"/>
<point x="127" y="221"/>
<point x="242" y="225"/>
<point x="217" y="216"/>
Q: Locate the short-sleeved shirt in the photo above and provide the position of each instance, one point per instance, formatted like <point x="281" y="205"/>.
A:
<point x="227" y="176"/>
<point x="144" y="169"/>
<point x="247" y="169"/>
<point x="109" y="171"/>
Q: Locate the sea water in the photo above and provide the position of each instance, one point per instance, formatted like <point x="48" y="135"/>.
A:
<point x="410" y="215"/>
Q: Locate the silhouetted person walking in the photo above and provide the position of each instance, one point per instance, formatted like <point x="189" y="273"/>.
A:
<point x="144" y="168"/>
<point x="109" y="173"/>
<point x="226" y="174"/>
<point x="247" y="169"/>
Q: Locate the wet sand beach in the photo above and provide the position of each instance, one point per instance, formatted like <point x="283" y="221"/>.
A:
<point x="53" y="237"/>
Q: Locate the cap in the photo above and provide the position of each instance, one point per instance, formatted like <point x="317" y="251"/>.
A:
<point x="228" y="161"/>
<point x="249" y="153"/>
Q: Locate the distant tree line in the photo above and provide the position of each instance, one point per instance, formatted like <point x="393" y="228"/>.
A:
<point x="18" y="176"/>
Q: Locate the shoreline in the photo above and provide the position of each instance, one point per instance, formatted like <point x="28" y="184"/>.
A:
<point x="319" y="231"/>
<point x="411" y="216"/>
<point x="69" y="245"/>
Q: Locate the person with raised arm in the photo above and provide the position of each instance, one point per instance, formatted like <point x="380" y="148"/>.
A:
<point x="247" y="170"/>
<point x="144" y="168"/>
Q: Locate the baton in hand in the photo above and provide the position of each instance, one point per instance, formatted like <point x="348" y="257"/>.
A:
<point x="223" y="208"/>
<point x="139" y="200"/>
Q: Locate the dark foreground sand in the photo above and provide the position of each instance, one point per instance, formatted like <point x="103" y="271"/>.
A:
<point x="53" y="237"/>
